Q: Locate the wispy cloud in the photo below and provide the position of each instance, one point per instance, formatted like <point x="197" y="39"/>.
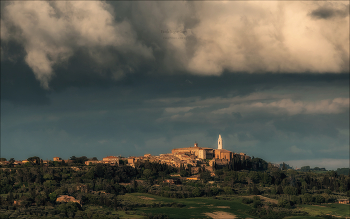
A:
<point x="297" y="150"/>
<point x="174" y="110"/>
<point x="290" y="107"/>
<point x="199" y="101"/>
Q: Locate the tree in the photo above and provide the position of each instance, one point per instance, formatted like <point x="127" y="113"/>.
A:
<point x="284" y="203"/>
<point x="284" y="166"/>
<point x="279" y="189"/>
<point x="305" y="168"/>
<point x="183" y="173"/>
<point x="289" y="190"/>
<point x="147" y="173"/>
<point x="197" y="192"/>
<point x="11" y="162"/>
<point x="205" y="176"/>
<point x="53" y="197"/>
<point x="278" y="177"/>
<point x="319" y="198"/>
<point x="10" y="197"/>
<point x="115" y="203"/>
<point x="162" y="174"/>
<point x="34" y="160"/>
<point x="307" y="198"/>
<point x="73" y="158"/>
<point x="255" y="190"/>
<point x="79" y="160"/>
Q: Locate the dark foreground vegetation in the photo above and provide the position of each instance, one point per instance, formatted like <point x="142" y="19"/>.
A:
<point x="104" y="191"/>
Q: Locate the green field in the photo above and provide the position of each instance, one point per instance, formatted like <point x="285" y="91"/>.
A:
<point x="333" y="209"/>
<point x="302" y="217"/>
<point x="197" y="207"/>
<point x="194" y="207"/>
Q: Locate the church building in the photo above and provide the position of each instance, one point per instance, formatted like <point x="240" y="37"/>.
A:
<point x="222" y="153"/>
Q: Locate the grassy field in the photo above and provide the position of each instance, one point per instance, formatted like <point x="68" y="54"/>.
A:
<point x="194" y="207"/>
<point x="333" y="209"/>
<point x="302" y="217"/>
<point x="197" y="207"/>
<point x="120" y="214"/>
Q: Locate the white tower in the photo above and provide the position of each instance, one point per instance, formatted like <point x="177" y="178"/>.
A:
<point x="219" y="142"/>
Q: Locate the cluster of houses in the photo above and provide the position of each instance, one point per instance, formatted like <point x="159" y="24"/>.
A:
<point x="194" y="156"/>
<point x="21" y="162"/>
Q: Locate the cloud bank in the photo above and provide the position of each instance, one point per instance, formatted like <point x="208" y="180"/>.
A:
<point x="201" y="38"/>
<point x="50" y="32"/>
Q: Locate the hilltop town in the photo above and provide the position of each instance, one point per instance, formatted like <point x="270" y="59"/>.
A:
<point x="197" y="157"/>
<point x="164" y="186"/>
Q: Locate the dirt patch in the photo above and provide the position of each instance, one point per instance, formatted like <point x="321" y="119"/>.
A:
<point x="145" y="198"/>
<point x="222" y="206"/>
<point x="268" y="199"/>
<point x="221" y="215"/>
<point x="263" y="198"/>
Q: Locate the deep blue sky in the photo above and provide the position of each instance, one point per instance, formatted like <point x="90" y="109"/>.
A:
<point x="130" y="78"/>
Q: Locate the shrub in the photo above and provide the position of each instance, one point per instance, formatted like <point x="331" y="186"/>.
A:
<point x="257" y="203"/>
<point x="283" y="203"/>
<point x="319" y="199"/>
<point x="247" y="200"/>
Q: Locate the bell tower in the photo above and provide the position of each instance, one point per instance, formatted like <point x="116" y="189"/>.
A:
<point x="219" y="142"/>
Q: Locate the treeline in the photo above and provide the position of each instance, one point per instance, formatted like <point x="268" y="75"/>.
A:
<point x="240" y="163"/>
<point x="344" y="171"/>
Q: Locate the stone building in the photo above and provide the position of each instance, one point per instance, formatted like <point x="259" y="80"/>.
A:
<point x="243" y="155"/>
<point x="57" y="159"/>
<point x="132" y="160"/>
<point x="223" y="154"/>
<point x="200" y="152"/>
<point x="92" y="162"/>
<point x="343" y="201"/>
<point x="111" y="160"/>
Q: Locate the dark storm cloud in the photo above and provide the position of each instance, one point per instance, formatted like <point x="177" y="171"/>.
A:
<point x="114" y="39"/>
<point x="328" y="12"/>
<point x="52" y="32"/>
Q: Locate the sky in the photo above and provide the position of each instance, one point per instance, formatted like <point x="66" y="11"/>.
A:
<point x="104" y="78"/>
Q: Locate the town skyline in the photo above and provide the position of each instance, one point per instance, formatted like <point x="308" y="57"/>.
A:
<point x="194" y="156"/>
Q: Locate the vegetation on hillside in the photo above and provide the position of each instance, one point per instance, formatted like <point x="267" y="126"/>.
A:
<point x="31" y="190"/>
